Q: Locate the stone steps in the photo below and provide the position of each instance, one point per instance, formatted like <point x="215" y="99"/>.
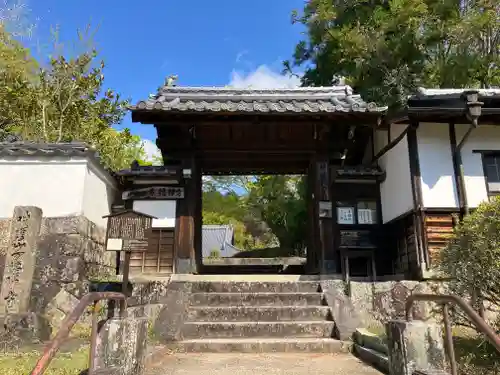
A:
<point x="254" y="287"/>
<point x="264" y="345"/>
<point x="193" y="330"/>
<point x="242" y="269"/>
<point x="258" y="316"/>
<point x="257" y="299"/>
<point x="260" y="313"/>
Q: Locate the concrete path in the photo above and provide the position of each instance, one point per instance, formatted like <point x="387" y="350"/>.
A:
<point x="260" y="364"/>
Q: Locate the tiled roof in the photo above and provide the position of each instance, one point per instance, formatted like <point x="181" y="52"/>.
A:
<point x="25" y="148"/>
<point x="148" y="171"/>
<point x="223" y="99"/>
<point x="437" y="93"/>
<point x="218" y="237"/>
<point x="69" y="149"/>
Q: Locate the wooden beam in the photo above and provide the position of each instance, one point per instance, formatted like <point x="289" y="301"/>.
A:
<point x="390" y="145"/>
<point x="416" y="185"/>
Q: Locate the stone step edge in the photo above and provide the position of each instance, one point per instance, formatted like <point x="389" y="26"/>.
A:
<point x="269" y="294"/>
<point x="263" y="307"/>
<point x="262" y="344"/>
<point x="243" y="323"/>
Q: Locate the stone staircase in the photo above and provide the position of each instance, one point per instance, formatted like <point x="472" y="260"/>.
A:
<point x="253" y="317"/>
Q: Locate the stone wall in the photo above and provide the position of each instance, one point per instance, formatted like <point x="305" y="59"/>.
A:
<point x="68" y="252"/>
<point x="379" y="302"/>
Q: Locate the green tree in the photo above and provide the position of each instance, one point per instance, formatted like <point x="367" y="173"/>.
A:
<point x="280" y="202"/>
<point x="385" y="49"/>
<point x="63" y="101"/>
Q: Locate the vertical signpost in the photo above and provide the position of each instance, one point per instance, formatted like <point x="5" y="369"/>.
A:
<point x="128" y="231"/>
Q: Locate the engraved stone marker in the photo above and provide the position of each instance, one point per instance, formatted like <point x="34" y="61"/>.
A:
<point x="20" y="260"/>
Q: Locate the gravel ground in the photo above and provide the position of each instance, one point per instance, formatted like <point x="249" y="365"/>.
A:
<point x="257" y="364"/>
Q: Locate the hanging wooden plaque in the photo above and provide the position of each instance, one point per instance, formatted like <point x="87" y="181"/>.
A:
<point x="128" y="231"/>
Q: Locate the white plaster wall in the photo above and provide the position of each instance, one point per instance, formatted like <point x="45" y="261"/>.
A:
<point x="395" y="191"/>
<point x="59" y="186"/>
<point x="54" y="185"/>
<point x="436" y="163"/>
<point x="486" y="137"/>
<point x="163" y="210"/>
<point x="436" y="166"/>
<point x="99" y="192"/>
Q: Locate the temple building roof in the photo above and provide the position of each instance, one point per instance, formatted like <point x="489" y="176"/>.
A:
<point x="226" y="99"/>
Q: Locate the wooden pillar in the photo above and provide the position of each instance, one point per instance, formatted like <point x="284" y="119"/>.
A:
<point x="313" y="247"/>
<point x="335" y="251"/>
<point x="185" y="223"/>
<point x="198" y="214"/>
<point x="324" y="220"/>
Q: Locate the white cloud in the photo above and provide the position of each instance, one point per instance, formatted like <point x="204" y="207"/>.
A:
<point x="150" y="149"/>
<point x="263" y="78"/>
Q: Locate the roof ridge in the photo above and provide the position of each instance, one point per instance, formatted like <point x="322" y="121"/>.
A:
<point x="254" y="89"/>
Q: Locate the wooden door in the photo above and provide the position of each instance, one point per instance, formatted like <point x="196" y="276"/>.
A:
<point x="158" y="259"/>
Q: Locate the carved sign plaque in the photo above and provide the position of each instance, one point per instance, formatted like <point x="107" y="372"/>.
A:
<point x="135" y="245"/>
<point x="128" y="231"/>
<point x="155" y="192"/>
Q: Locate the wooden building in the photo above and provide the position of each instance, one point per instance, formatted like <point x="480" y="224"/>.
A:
<point x="372" y="209"/>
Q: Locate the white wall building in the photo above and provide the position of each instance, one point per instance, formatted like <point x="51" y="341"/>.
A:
<point x="61" y="179"/>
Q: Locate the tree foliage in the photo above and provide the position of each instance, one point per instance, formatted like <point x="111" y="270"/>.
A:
<point x="385" y="49"/>
<point x="280" y="201"/>
<point x="472" y="258"/>
<point x="63" y="100"/>
<point x="271" y="211"/>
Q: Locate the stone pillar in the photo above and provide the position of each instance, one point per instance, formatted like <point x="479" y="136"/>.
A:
<point x="20" y="260"/>
<point x="121" y="346"/>
<point x="414" y="346"/>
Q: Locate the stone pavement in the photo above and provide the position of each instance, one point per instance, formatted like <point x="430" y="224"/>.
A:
<point x="260" y="364"/>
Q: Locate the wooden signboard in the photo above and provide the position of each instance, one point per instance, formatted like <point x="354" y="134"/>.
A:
<point x="128" y="230"/>
<point x="155" y="192"/>
<point x="360" y="239"/>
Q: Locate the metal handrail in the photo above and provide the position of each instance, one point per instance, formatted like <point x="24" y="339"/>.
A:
<point x="445" y="300"/>
<point x="68" y="323"/>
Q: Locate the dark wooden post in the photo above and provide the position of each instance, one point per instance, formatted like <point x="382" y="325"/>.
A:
<point x="314" y="245"/>
<point x="324" y="220"/>
<point x="197" y="214"/>
<point x="185" y="223"/>
<point x="335" y="255"/>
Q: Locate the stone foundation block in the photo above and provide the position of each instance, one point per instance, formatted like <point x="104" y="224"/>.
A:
<point x="344" y="314"/>
<point x="25" y="328"/>
<point x="122" y="345"/>
<point x="71" y="269"/>
<point x="414" y="346"/>
<point x="67" y="225"/>
<point x="184" y="265"/>
<point x="64" y="301"/>
<point x="173" y="313"/>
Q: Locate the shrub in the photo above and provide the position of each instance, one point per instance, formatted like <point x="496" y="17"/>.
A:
<point x="472" y="257"/>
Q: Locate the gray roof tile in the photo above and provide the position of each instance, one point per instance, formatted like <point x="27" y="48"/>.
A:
<point x="218" y="237"/>
<point x="223" y="99"/>
<point x="26" y="148"/>
<point x="426" y="93"/>
<point x="38" y="149"/>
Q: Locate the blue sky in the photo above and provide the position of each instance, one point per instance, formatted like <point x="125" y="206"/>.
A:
<point x="206" y="43"/>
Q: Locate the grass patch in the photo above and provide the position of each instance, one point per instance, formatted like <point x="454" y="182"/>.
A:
<point x="476" y="356"/>
<point x="21" y="363"/>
